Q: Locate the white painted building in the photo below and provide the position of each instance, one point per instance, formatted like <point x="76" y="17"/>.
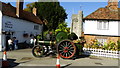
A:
<point x="14" y="22"/>
<point x="103" y="24"/>
<point x="96" y="27"/>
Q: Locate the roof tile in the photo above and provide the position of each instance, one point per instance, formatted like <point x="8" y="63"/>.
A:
<point x="9" y="10"/>
<point x="105" y="13"/>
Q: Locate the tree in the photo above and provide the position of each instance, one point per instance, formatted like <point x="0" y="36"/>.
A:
<point x="62" y="27"/>
<point x="50" y="11"/>
<point x="29" y="7"/>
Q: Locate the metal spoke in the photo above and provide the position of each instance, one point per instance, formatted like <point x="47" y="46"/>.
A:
<point x="63" y="44"/>
<point x="70" y="52"/>
<point x="62" y="53"/>
<point x="69" y="46"/>
<point x="61" y="50"/>
<point x="66" y="54"/>
<point x="69" y="43"/>
<point x="66" y="44"/>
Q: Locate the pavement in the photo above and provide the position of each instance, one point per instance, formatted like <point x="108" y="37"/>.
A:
<point x="24" y="57"/>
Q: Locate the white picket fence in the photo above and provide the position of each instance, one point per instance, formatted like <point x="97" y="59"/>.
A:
<point x="100" y="52"/>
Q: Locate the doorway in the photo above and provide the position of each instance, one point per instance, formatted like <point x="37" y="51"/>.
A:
<point x="7" y="38"/>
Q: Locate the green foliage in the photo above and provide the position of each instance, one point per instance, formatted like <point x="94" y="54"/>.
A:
<point x="118" y="42"/>
<point x="39" y="37"/>
<point x="95" y="44"/>
<point x="29" y="7"/>
<point x="52" y="12"/>
<point x="107" y="46"/>
<point x="110" y="46"/>
<point x="47" y="32"/>
<point x="62" y="27"/>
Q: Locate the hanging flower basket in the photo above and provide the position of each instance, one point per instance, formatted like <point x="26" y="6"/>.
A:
<point x="4" y="32"/>
<point x="25" y="35"/>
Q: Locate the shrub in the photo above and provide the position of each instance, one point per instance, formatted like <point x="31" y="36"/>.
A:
<point x="107" y="46"/>
<point x="118" y="43"/>
<point x="111" y="45"/>
<point x="94" y="44"/>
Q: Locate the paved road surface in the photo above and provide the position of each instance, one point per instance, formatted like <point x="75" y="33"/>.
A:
<point x="24" y="57"/>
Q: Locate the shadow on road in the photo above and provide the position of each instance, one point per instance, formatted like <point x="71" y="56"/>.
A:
<point x="81" y="56"/>
<point x="66" y="65"/>
<point x="12" y="63"/>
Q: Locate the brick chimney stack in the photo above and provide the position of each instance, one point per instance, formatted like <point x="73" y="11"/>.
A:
<point x="34" y="10"/>
<point x="112" y="4"/>
<point x="19" y="6"/>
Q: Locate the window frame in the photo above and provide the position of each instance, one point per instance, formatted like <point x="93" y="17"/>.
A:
<point x="36" y="27"/>
<point x="103" y="25"/>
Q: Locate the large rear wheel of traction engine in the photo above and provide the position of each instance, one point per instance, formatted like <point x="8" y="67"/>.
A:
<point x="66" y="49"/>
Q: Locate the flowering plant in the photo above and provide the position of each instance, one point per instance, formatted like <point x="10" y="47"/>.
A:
<point x="79" y="41"/>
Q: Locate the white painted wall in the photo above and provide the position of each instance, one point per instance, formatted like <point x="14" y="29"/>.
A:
<point x="20" y="27"/>
<point x="91" y="28"/>
<point x="0" y="34"/>
<point x="0" y="30"/>
<point x="119" y="28"/>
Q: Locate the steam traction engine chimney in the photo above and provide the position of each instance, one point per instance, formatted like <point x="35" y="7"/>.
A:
<point x="19" y="6"/>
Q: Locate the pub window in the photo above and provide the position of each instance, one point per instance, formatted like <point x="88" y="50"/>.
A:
<point x="36" y="27"/>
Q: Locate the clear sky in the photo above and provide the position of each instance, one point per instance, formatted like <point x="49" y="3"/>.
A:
<point x="86" y="7"/>
<point x="74" y="7"/>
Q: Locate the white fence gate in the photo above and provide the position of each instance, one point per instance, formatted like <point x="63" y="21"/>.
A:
<point x="100" y="52"/>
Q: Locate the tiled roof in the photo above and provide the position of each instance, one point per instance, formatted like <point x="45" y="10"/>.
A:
<point x="9" y="10"/>
<point x="105" y="13"/>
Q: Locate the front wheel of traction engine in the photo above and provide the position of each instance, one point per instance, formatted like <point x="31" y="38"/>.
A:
<point x="38" y="51"/>
<point x="66" y="49"/>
